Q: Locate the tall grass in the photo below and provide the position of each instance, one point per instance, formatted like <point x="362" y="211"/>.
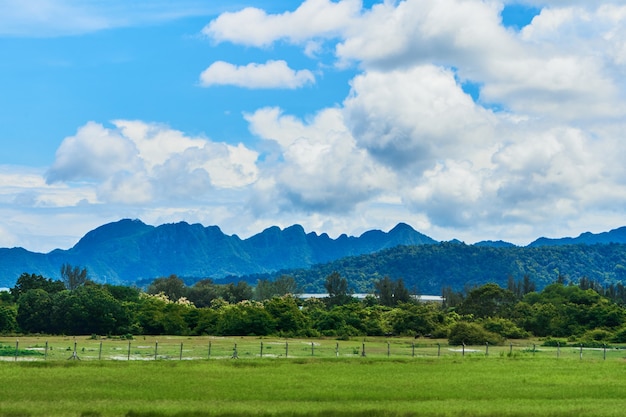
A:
<point x="447" y="386"/>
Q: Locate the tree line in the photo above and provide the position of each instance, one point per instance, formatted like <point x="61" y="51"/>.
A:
<point x="585" y="312"/>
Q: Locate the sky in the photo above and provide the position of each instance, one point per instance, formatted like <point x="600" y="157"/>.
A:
<point x="466" y="119"/>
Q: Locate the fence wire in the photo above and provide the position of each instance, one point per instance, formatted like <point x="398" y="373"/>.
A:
<point x="213" y="348"/>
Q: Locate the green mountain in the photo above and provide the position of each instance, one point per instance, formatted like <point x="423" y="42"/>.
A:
<point x="429" y="268"/>
<point x="129" y="251"/>
<point x="587" y="238"/>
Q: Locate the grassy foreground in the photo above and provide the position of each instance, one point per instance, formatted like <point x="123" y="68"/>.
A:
<point x="349" y="387"/>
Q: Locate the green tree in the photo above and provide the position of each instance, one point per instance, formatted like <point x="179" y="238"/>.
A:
<point x="73" y="276"/>
<point x="488" y="300"/>
<point x="28" y="282"/>
<point x="283" y="285"/>
<point x="33" y="311"/>
<point x="415" y="319"/>
<point x="202" y="293"/>
<point x="288" y="318"/>
<point x="384" y="289"/>
<point x="202" y="321"/>
<point x="173" y="287"/>
<point x="337" y="289"/>
<point x="391" y="293"/>
<point x="235" y="293"/>
<point x="8" y="318"/>
<point x="88" y="309"/>
<point x="150" y="314"/>
<point x="245" y="319"/>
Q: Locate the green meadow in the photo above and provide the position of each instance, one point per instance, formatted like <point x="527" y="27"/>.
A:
<point x="524" y="383"/>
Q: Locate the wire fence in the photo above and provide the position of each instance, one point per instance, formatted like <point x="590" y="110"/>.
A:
<point x="210" y="348"/>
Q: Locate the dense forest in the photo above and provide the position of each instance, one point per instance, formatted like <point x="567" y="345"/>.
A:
<point x="586" y="312"/>
<point x="428" y="268"/>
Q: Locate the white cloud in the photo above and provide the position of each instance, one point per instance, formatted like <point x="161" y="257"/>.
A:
<point x="414" y="117"/>
<point x="312" y="19"/>
<point x="272" y="74"/>
<point x="321" y="168"/>
<point x="425" y="31"/>
<point x="137" y="162"/>
<point x="44" y="18"/>
<point x="94" y="153"/>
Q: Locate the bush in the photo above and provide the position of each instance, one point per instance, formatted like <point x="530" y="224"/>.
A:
<point x="619" y="336"/>
<point x="596" y="335"/>
<point x="554" y="342"/>
<point x="472" y="334"/>
<point x="505" y="328"/>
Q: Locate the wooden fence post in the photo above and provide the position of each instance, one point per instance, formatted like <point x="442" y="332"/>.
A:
<point x="438" y="349"/>
<point x="156" y="349"/>
<point x="99" y="351"/>
<point x="180" y="358"/>
<point x="261" y="349"/>
<point x="581" y="351"/>
<point x="129" y="350"/>
<point x="17" y="345"/>
<point x="209" y="357"/>
<point x="286" y="349"/>
<point x="45" y="356"/>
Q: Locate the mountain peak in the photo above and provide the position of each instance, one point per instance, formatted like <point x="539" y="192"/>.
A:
<point x="114" y="230"/>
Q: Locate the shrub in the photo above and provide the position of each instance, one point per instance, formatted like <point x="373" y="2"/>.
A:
<point x="472" y="334"/>
<point x="596" y="335"/>
<point x="505" y="328"/>
<point x="619" y="336"/>
<point x="550" y="342"/>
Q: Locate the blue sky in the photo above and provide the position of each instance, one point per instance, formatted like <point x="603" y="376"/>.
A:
<point x="467" y="119"/>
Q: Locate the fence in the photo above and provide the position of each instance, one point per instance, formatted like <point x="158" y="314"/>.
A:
<point x="207" y="348"/>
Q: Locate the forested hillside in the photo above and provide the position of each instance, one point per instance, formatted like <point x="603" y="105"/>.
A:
<point x="429" y="268"/>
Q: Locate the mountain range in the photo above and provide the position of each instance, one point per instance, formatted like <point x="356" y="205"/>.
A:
<point x="129" y="251"/>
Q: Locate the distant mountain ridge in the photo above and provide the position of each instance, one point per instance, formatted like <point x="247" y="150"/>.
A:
<point x="129" y="251"/>
<point x="613" y="236"/>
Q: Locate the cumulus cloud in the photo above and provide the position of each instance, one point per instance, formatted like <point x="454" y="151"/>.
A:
<point x="94" y="153"/>
<point x="322" y="168"/>
<point x="272" y="74"/>
<point x="137" y="162"/>
<point x="412" y="117"/>
<point x="312" y="19"/>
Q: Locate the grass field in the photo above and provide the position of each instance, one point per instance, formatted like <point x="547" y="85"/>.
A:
<point x="521" y="384"/>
